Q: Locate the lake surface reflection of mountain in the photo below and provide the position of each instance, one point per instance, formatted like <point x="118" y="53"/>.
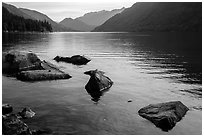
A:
<point x="145" y="68"/>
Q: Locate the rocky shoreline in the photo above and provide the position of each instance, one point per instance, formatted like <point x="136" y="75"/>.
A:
<point x="13" y="124"/>
<point x="28" y="67"/>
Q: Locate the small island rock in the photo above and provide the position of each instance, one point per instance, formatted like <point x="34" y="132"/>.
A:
<point x="76" y="59"/>
<point x="97" y="84"/>
<point x="26" y="113"/>
<point x="164" y="115"/>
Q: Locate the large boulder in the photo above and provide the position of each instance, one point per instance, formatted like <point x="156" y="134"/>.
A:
<point x="6" y="109"/>
<point x="28" y="67"/>
<point x="164" y="115"/>
<point x="26" y="113"/>
<point x="76" y="59"/>
<point x="97" y="84"/>
<point x="15" y="61"/>
<point x="12" y="125"/>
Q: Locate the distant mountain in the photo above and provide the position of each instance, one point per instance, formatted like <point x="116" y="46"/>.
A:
<point x="157" y="16"/>
<point x="98" y="18"/>
<point x="76" y="25"/>
<point x="34" y="15"/>
<point x="39" y="16"/>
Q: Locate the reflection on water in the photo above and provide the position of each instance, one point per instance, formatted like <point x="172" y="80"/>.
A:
<point x="146" y="68"/>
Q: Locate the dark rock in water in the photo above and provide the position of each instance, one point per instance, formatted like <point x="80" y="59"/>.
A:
<point x="15" y="61"/>
<point x="79" y="60"/>
<point x="97" y="84"/>
<point x="26" y="113"/>
<point x="76" y="59"/>
<point x="38" y="75"/>
<point x="11" y="125"/>
<point x="164" y="115"/>
<point x="43" y="131"/>
<point x="6" y="109"/>
<point x="63" y="59"/>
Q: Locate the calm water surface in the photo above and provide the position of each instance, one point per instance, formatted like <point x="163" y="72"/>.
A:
<point x="146" y="68"/>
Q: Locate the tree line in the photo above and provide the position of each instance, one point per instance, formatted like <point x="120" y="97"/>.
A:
<point x="11" y="22"/>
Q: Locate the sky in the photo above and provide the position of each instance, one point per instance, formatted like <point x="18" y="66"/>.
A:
<point x="57" y="11"/>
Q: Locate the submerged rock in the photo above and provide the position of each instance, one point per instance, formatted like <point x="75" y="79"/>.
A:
<point x="26" y="113"/>
<point x="164" y="115"/>
<point x="15" y="61"/>
<point x="6" y="109"/>
<point x="76" y="59"/>
<point x="38" y="75"/>
<point x="97" y="84"/>
<point x="11" y="125"/>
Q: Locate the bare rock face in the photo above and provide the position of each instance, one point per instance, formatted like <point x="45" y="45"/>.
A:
<point x="48" y="72"/>
<point x="164" y="115"/>
<point x="28" y="67"/>
<point x="15" y="61"/>
<point x="26" y="113"/>
<point x="6" y="109"/>
<point x="49" y="66"/>
<point x="76" y="59"/>
<point x="38" y="75"/>
<point x="11" y="125"/>
<point x="97" y="84"/>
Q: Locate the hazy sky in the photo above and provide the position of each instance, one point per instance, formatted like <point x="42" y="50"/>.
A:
<point x="59" y="11"/>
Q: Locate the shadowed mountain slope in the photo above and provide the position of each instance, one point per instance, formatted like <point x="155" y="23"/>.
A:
<point x="157" y="16"/>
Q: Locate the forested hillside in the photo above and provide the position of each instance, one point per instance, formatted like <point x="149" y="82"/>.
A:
<point x="11" y="22"/>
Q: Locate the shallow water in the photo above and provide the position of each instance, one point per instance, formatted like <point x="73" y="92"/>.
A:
<point x="145" y="68"/>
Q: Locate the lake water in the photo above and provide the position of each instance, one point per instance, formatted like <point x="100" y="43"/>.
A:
<point x="146" y="68"/>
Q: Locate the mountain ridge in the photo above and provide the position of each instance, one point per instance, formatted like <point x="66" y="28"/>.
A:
<point x="40" y="16"/>
<point x="99" y="17"/>
<point x="156" y="16"/>
<point x="31" y="14"/>
<point x="76" y="24"/>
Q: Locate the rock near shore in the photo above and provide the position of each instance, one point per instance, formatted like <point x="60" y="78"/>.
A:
<point x="6" y="109"/>
<point x="164" y="115"/>
<point x="39" y="75"/>
<point x="28" y="67"/>
<point x="26" y="113"/>
<point x="12" y="125"/>
<point x="15" y="61"/>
